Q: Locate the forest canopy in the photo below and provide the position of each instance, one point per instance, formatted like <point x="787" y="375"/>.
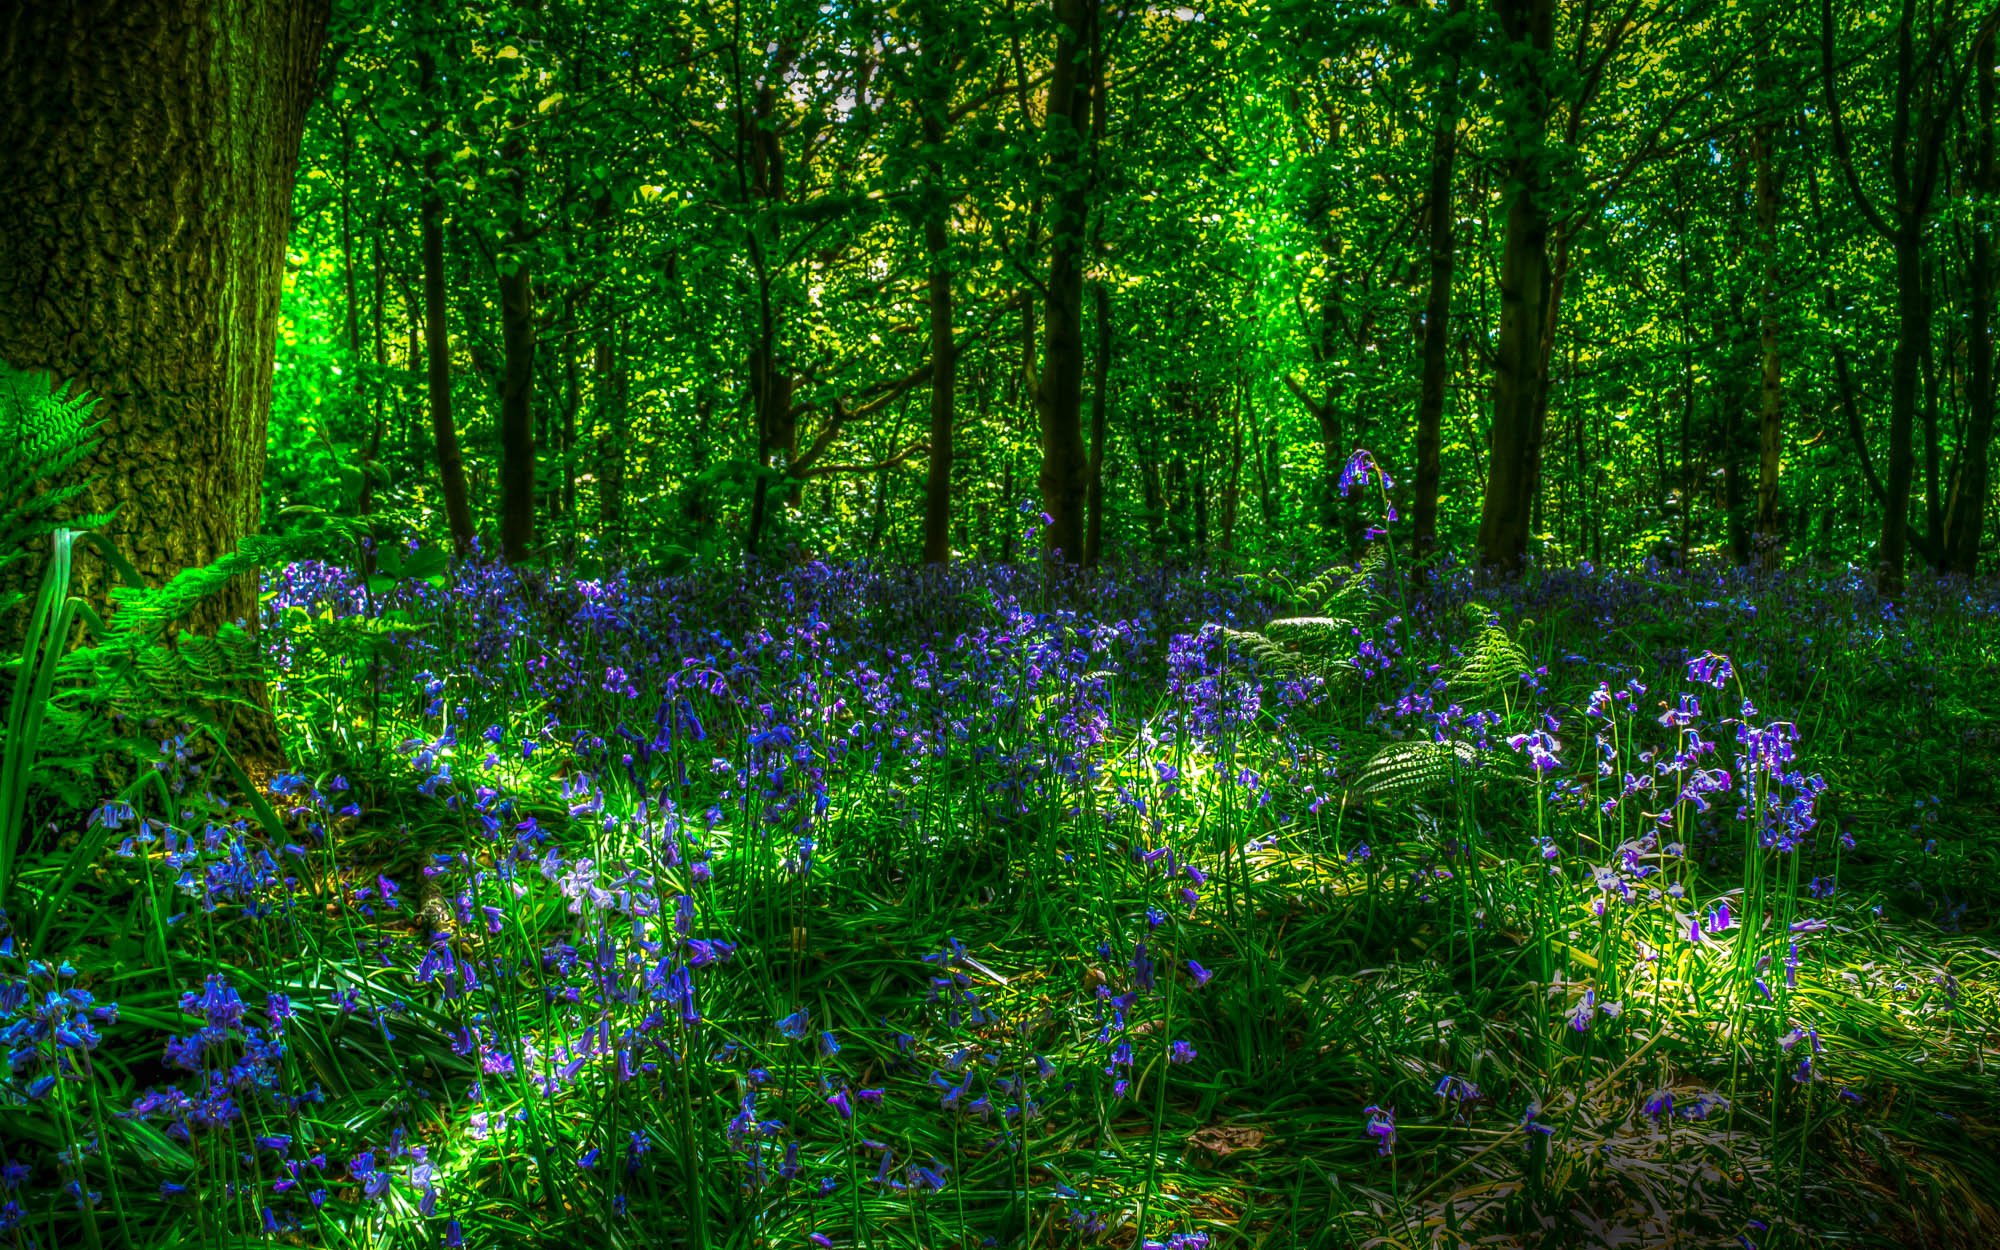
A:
<point x="1592" y="281"/>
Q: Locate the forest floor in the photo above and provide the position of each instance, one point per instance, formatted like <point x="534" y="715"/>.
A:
<point x="838" y="906"/>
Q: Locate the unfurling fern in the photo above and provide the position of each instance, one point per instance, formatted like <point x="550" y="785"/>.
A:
<point x="1402" y="769"/>
<point x="1494" y="660"/>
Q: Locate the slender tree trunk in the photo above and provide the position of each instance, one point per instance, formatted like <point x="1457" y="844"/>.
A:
<point x="347" y="236"/>
<point x="610" y="446"/>
<point x="1770" y="537"/>
<point x="517" y="346"/>
<point x="1557" y="275"/>
<point x="1437" y="305"/>
<point x="944" y="358"/>
<point x="370" y="462"/>
<point x="1093" y="530"/>
<point x="944" y="381"/>
<point x="517" y="383"/>
<point x="1198" y="487"/>
<point x="1913" y="319"/>
<point x="1507" y="509"/>
<point x="572" y="400"/>
<point x="1232" y="490"/>
<point x="437" y="342"/>
<point x="410" y="421"/>
<point x="517" y="430"/>
<point x="771" y="383"/>
<point x="1965" y="509"/>
<point x="696" y="508"/>
<point x="1059" y="390"/>
<point x="1933" y="492"/>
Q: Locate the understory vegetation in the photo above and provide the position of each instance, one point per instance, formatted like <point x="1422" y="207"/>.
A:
<point x="861" y="906"/>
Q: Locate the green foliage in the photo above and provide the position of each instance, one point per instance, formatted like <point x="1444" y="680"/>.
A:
<point x="43" y="434"/>
<point x="73" y="712"/>
<point x="1406" y="769"/>
<point x="1322" y="645"/>
<point x="1494" y="661"/>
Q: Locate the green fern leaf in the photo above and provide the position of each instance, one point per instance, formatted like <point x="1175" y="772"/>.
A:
<point x="1402" y="769"/>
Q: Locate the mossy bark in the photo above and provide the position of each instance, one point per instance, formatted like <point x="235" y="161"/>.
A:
<point x="145" y="200"/>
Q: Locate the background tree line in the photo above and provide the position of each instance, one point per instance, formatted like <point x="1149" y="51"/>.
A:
<point x="1594" y="280"/>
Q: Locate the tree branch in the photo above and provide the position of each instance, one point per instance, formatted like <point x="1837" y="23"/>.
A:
<point x="1841" y="148"/>
<point x="890" y="463"/>
<point x="1298" y="389"/>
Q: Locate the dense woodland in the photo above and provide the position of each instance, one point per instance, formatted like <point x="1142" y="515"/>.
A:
<point x="1037" y="623"/>
<point x="1594" y="280"/>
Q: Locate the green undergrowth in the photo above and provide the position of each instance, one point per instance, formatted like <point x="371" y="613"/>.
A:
<point x="1052" y="928"/>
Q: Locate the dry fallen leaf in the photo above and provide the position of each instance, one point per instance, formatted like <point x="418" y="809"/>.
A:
<point x="1226" y="1139"/>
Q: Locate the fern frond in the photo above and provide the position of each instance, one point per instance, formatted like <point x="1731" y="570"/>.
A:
<point x="1264" y="650"/>
<point x="43" y="435"/>
<point x="1315" y="633"/>
<point x="1494" y="660"/>
<point x="1406" y="768"/>
<point x="1317" y="657"/>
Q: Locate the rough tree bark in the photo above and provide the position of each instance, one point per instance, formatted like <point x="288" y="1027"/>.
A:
<point x="145" y="199"/>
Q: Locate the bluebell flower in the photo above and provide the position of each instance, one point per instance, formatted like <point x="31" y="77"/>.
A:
<point x="1455" y="1088"/>
<point x="1382" y="1127"/>
<point x="1660" y="1103"/>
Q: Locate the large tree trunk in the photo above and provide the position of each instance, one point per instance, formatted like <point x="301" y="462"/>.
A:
<point x="1965" y="509"/>
<point x="1506" y="511"/>
<point x="1059" y="390"/>
<point x="1437" y="305"/>
<point x="145" y="199"/>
